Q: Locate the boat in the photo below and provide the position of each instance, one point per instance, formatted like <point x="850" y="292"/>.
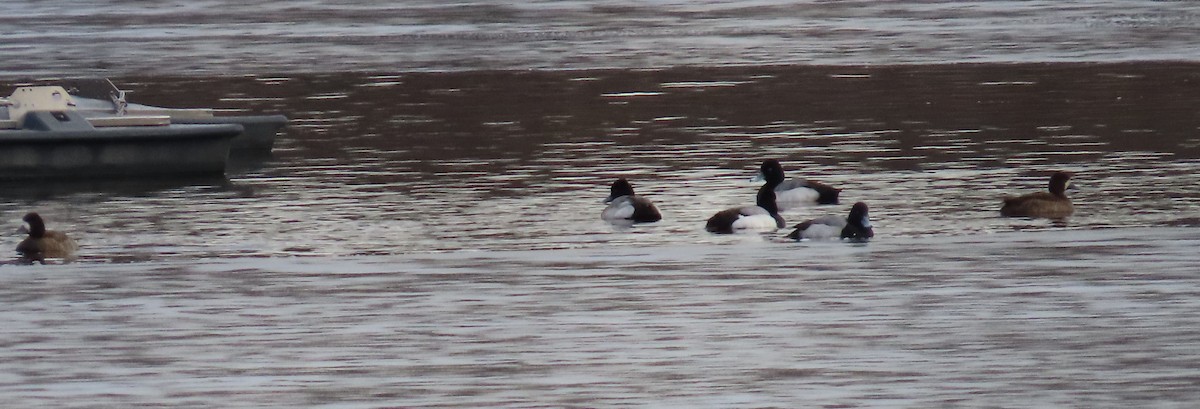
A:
<point x="44" y="136"/>
<point x="100" y="98"/>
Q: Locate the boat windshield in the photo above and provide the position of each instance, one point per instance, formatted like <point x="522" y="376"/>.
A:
<point x="94" y="88"/>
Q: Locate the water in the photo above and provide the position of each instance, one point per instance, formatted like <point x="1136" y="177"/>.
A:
<point x="427" y="232"/>
<point x="1099" y="318"/>
<point x="209" y="37"/>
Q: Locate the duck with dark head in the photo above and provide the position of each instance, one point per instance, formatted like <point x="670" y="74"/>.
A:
<point x="855" y="227"/>
<point x="763" y="216"/>
<point x="42" y="244"/>
<point x="626" y="207"/>
<point x="793" y="193"/>
<point x="1052" y="204"/>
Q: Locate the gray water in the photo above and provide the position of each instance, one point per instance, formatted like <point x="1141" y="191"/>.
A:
<point x="214" y="37"/>
<point x="1101" y="318"/>
<point x="427" y="232"/>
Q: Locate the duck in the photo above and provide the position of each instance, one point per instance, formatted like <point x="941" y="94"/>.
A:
<point x="763" y="216"/>
<point x="42" y="243"/>
<point x="793" y="193"/>
<point x="856" y="226"/>
<point x="1053" y="204"/>
<point x="625" y="206"/>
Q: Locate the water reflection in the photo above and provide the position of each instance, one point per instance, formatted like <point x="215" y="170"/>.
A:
<point x="59" y="189"/>
<point x="518" y="160"/>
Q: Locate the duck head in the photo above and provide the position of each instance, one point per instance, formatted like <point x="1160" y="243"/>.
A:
<point x="36" y="227"/>
<point x="1059" y="183"/>
<point x="770" y="171"/>
<point x="620" y="187"/>
<point x="858" y="224"/>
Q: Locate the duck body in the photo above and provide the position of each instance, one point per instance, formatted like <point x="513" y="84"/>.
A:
<point x="824" y="227"/>
<point x="793" y="193"/>
<point x="42" y="243"/>
<point x="1040" y="204"/>
<point x="747" y="218"/>
<point x="1053" y="204"/>
<point x="625" y="206"/>
<point x="856" y="226"/>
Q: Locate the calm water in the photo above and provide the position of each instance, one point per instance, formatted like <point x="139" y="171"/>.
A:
<point x="427" y="233"/>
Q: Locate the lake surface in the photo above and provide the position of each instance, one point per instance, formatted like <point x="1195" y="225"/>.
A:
<point x="1096" y="318"/>
<point x="217" y="37"/>
<point x="427" y="232"/>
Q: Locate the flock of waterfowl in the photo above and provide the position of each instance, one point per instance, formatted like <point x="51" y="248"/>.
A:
<point x="779" y="194"/>
<point x="776" y="195"/>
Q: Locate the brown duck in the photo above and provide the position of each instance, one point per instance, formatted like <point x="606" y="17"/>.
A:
<point x="1053" y="204"/>
<point x="42" y="243"/>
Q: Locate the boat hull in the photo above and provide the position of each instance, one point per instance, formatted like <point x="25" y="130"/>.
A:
<point x="257" y="137"/>
<point x="159" y="151"/>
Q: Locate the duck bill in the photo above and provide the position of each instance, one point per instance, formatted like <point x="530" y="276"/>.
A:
<point x="868" y="230"/>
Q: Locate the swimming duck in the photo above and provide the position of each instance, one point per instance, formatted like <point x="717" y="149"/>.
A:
<point x="1053" y="204"/>
<point x="43" y="243"/>
<point x="792" y="193"/>
<point x="856" y="226"/>
<point x="764" y="216"/>
<point x="624" y="205"/>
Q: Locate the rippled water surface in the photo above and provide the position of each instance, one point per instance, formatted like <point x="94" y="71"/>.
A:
<point x="427" y="233"/>
<point x="1102" y="318"/>
<point x="218" y="36"/>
